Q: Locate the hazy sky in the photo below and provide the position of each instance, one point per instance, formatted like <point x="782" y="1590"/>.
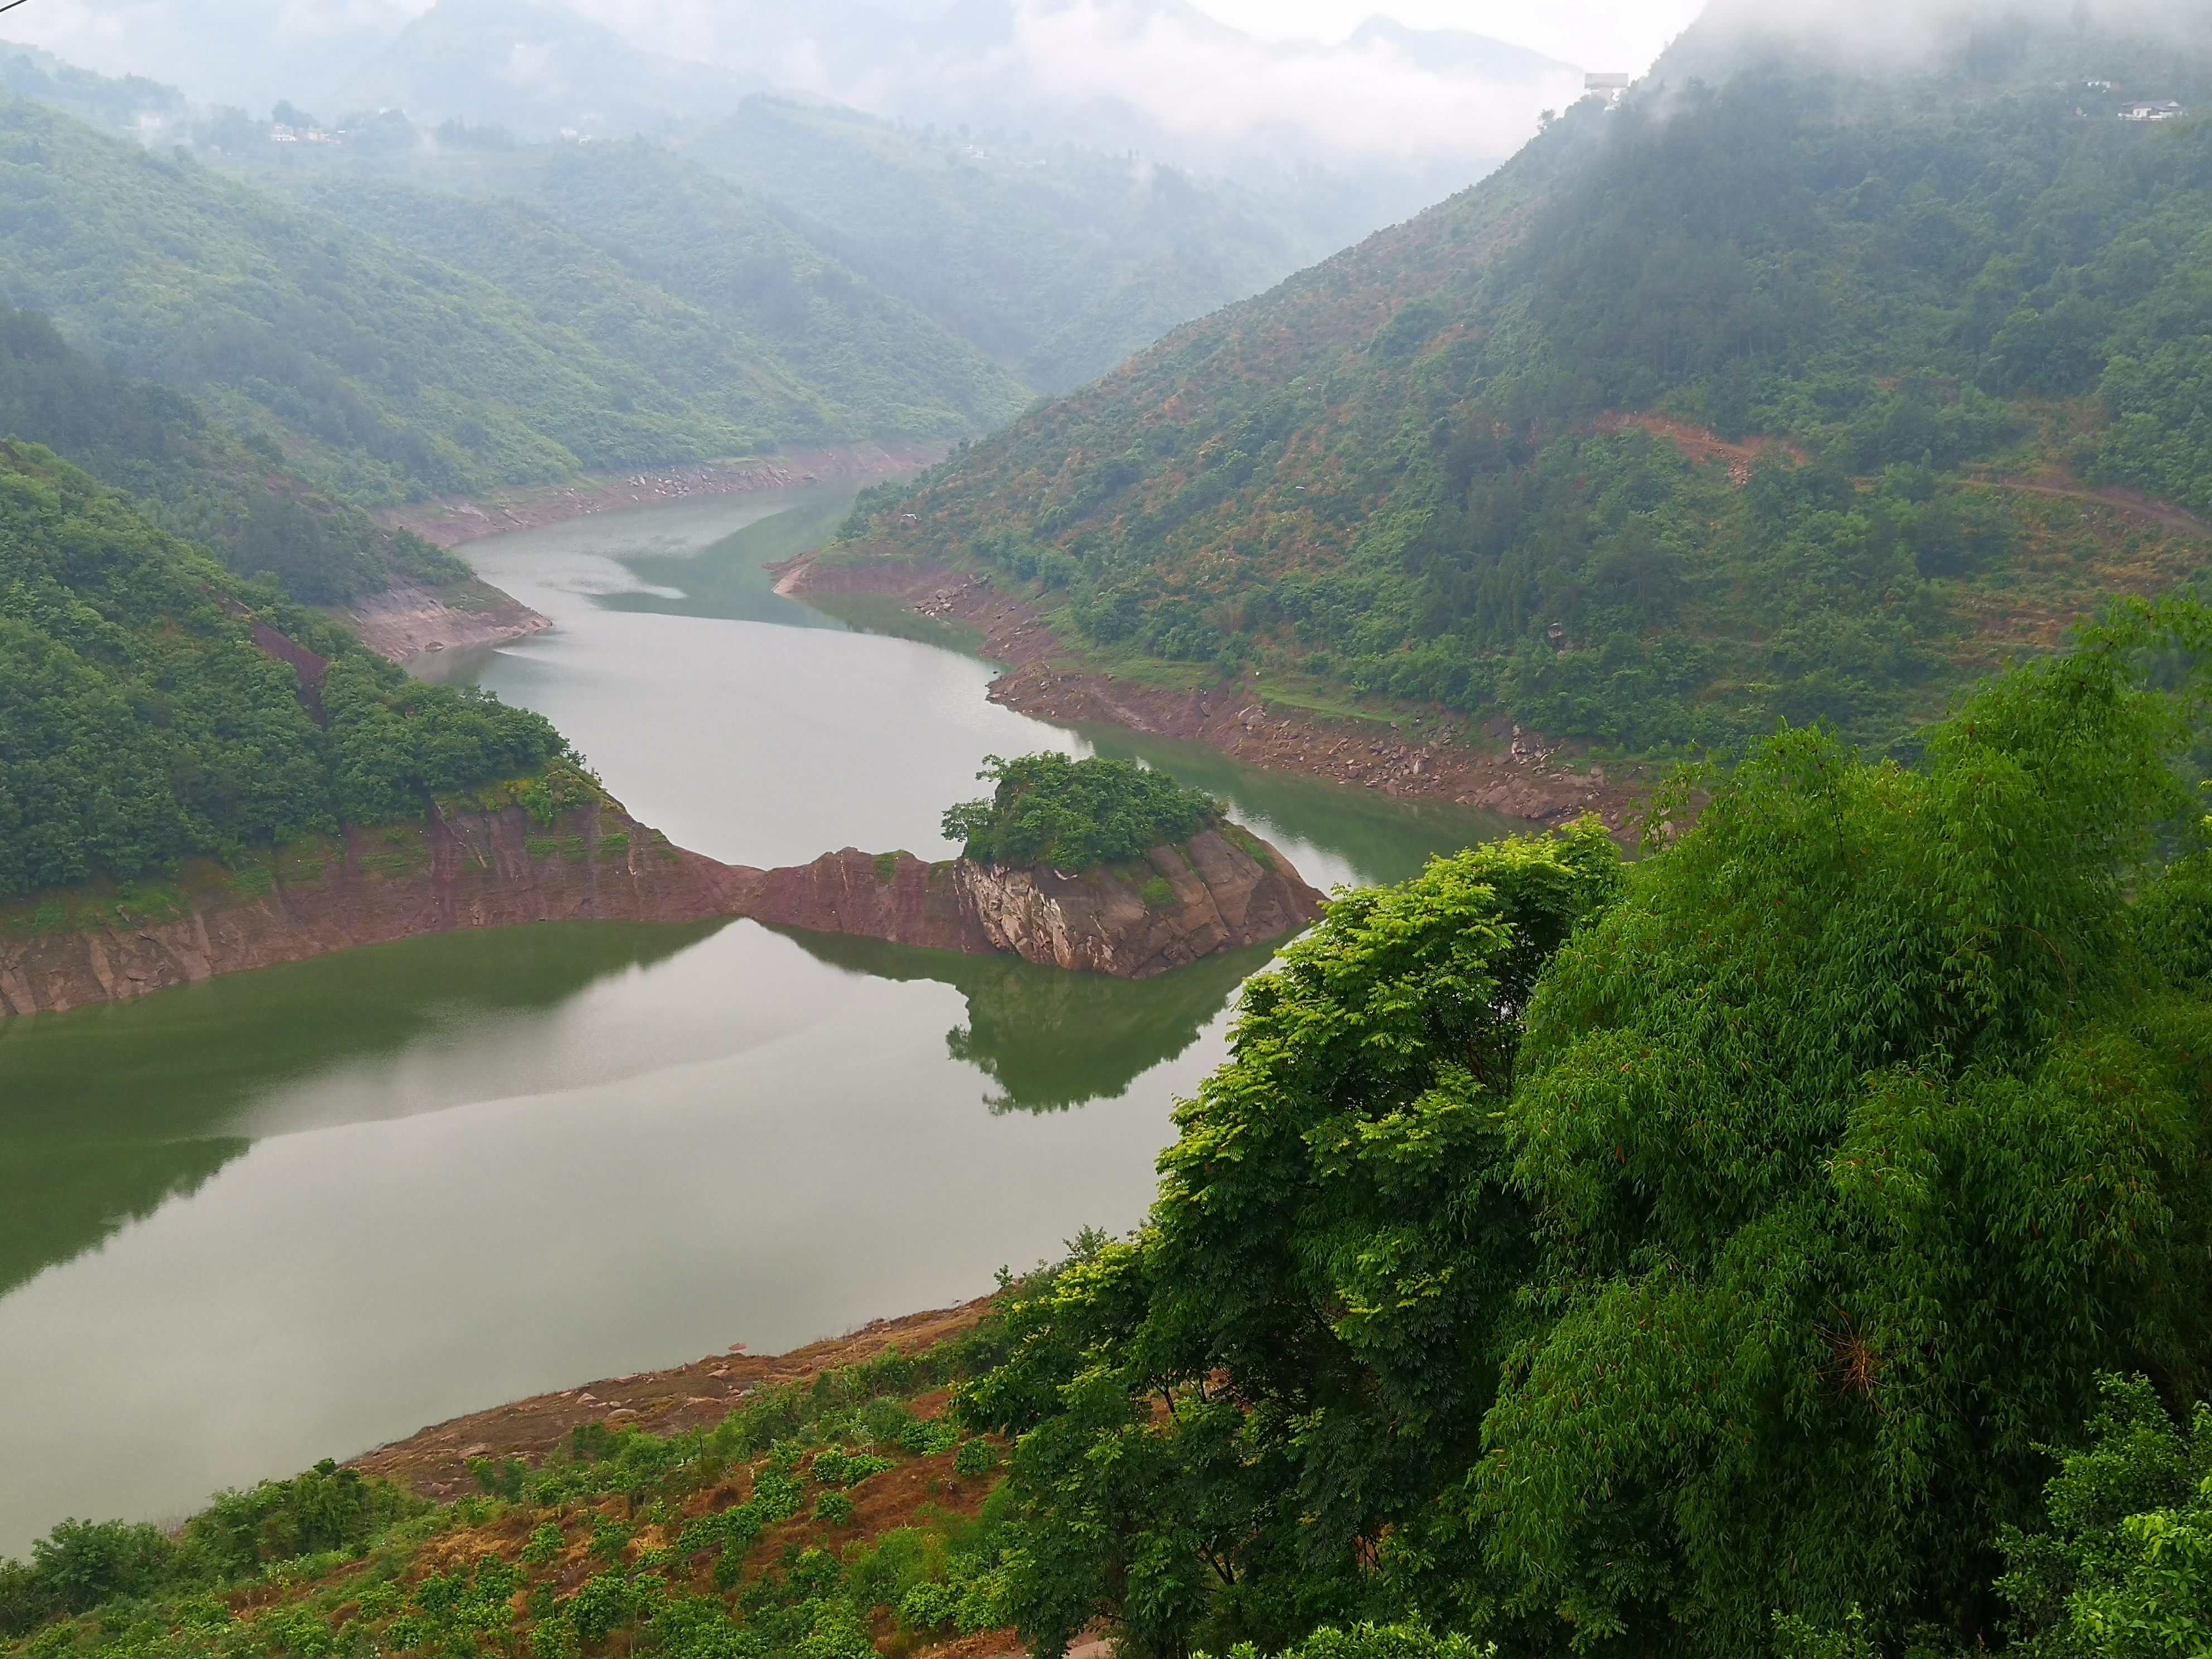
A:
<point x="1612" y="34"/>
<point x="1208" y="98"/>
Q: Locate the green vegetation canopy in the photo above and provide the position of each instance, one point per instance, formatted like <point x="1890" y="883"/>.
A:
<point x="1578" y="1255"/>
<point x="145" y="712"/>
<point x="1073" y="814"/>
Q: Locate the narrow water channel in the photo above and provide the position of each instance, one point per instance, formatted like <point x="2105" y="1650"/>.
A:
<point x="294" y="1213"/>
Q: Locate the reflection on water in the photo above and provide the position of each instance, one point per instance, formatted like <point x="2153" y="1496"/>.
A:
<point x="113" y="1110"/>
<point x="728" y="577"/>
<point x="1378" y="838"/>
<point x="1051" y="1040"/>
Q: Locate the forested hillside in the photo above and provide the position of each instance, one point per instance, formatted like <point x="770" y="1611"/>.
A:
<point x="195" y="479"/>
<point x="1769" y="393"/>
<point x="153" y="707"/>
<point x="383" y="372"/>
<point x="666" y="267"/>
<point x="1059" y="262"/>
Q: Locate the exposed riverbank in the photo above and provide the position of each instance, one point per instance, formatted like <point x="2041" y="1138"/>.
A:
<point x="409" y="619"/>
<point x="1220" y="890"/>
<point x="450" y="520"/>
<point x="370" y="886"/>
<point x="1498" y="767"/>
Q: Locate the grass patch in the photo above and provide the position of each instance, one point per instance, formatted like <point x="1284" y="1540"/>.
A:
<point x="1159" y="892"/>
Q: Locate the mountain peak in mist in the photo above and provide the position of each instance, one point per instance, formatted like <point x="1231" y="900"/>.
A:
<point x="1455" y="52"/>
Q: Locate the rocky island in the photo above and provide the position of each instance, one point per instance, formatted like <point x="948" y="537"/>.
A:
<point x="1099" y="866"/>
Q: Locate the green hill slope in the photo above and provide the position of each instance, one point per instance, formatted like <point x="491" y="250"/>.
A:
<point x="1059" y="262"/>
<point x="152" y="707"/>
<point x="1440" y="466"/>
<point x="386" y="372"/>
<point x="665" y="265"/>
<point x="197" y="481"/>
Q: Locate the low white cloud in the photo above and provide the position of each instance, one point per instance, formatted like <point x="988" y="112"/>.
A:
<point x="1214" y="86"/>
<point x="1168" y="78"/>
<point x="1208" y="86"/>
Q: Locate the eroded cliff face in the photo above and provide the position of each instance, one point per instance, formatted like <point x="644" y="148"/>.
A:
<point x="366" y="887"/>
<point x="1220" y="889"/>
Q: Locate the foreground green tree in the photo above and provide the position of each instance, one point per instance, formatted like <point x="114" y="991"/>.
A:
<point x="2123" y="1570"/>
<point x="1221" y="1420"/>
<point x="1619" y="1257"/>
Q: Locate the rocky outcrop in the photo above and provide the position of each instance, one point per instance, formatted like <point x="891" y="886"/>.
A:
<point x="1222" y="889"/>
<point x="886" y="895"/>
<point x="365" y="887"/>
<point x="408" y="619"/>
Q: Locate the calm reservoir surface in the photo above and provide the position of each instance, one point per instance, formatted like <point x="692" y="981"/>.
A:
<point x="294" y="1213"/>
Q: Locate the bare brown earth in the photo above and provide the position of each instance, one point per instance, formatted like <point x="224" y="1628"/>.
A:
<point x="1501" y="768"/>
<point x="434" y="1461"/>
<point x="365" y="887"/>
<point x="451" y="520"/>
<point x="408" y="619"/>
<point x="1700" y="445"/>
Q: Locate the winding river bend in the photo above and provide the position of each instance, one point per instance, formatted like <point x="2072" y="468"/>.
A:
<point x="290" y="1214"/>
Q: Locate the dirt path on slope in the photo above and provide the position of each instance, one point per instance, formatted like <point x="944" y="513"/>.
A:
<point x="434" y="1461"/>
<point x="1499" y="768"/>
<point x="2133" y="502"/>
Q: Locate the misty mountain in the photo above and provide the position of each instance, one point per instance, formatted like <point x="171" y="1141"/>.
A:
<point x="1056" y="262"/>
<point x="537" y="68"/>
<point x="1773" y="393"/>
<point x="1054" y="72"/>
<point x="197" y="481"/>
<point x="384" y="372"/>
<point x="1455" y="52"/>
<point x="1059" y="262"/>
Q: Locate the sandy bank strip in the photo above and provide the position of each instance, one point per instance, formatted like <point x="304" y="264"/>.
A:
<point x="451" y="520"/>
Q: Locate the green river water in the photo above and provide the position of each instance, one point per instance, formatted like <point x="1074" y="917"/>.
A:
<point x="294" y="1213"/>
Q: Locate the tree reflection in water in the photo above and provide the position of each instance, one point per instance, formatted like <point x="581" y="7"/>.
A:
<point x="1051" y="1040"/>
<point x="113" y="1111"/>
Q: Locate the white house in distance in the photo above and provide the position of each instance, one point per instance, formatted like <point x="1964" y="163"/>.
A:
<point x="2162" y="109"/>
<point x="1607" y="86"/>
